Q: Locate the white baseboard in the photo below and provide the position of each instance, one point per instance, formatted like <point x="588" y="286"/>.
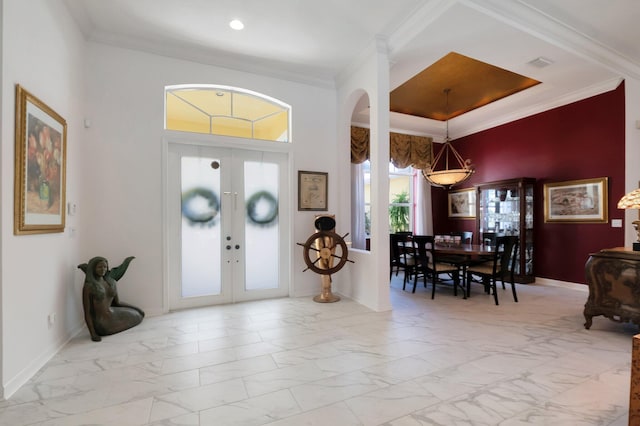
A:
<point x="15" y="383"/>
<point x="565" y="284"/>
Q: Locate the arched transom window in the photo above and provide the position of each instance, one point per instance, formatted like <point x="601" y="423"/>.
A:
<point x="228" y="111"/>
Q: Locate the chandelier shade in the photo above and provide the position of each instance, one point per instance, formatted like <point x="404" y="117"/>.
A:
<point x="448" y="177"/>
<point x="632" y="201"/>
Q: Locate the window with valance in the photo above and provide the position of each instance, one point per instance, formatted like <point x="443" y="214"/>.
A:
<point x="407" y="152"/>
<point x="404" y="150"/>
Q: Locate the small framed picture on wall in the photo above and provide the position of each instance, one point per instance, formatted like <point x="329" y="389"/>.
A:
<point x="312" y="190"/>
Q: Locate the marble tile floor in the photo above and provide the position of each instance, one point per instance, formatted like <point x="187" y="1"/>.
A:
<point x="446" y="361"/>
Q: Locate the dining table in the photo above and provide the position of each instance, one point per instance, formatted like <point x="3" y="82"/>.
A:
<point x="470" y="250"/>
<point x="468" y="254"/>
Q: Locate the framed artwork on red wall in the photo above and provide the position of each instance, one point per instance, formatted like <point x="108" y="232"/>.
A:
<point x="582" y="200"/>
<point x="462" y="203"/>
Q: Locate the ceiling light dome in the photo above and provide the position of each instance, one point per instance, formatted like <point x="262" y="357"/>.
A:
<point x="446" y="178"/>
<point x="236" y="24"/>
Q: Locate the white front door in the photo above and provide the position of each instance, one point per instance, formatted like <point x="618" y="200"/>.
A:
<point x="227" y="213"/>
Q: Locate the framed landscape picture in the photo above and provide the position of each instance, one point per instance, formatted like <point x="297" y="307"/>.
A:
<point x="576" y="201"/>
<point x="462" y="203"/>
<point x="40" y="167"/>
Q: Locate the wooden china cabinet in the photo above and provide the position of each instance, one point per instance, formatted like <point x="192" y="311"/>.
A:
<point x="506" y="208"/>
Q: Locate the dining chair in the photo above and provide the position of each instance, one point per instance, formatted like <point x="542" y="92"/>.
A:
<point x="489" y="238"/>
<point x="500" y="267"/>
<point x="428" y="265"/>
<point x="402" y="255"/>
<point x="466" y="237"/>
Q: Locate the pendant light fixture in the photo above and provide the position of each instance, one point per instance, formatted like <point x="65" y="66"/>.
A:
<point x="448" y="177"/>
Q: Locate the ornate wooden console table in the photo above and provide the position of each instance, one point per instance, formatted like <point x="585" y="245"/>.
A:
<point x="634" y="394"/>
<point x="613" y="276"/>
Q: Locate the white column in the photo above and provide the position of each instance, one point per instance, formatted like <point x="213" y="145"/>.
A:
<point x="632" y="152"/>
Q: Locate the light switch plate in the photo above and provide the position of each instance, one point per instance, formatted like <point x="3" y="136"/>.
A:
<point x="616" y="223"/>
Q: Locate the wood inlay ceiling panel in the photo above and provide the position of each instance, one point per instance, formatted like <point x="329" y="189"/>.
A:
<point x="472" y="84"/>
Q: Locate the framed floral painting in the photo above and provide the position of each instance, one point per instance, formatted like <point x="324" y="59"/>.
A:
<point x="40" y="166"/>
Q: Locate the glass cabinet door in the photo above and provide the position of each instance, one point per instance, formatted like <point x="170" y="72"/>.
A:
<point x="506" y="208"/>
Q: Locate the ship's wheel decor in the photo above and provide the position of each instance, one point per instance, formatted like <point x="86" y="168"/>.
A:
<point x="325" y="253"/>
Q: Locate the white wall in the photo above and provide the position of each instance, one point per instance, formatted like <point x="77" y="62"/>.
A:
<point x="368" y="281"/>
<point x="42" y="51"/>
<point x="114" y="173"/>
<point x="122" y="169"/>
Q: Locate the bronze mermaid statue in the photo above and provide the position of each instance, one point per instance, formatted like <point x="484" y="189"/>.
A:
<point x="104" y="312"/>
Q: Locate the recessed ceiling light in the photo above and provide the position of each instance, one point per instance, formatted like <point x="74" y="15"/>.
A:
<point x="236" y="24"/>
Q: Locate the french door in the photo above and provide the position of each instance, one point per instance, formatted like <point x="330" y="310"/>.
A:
<point x="227" y="214"/>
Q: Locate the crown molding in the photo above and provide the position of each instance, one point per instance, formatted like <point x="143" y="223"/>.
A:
<point x="525" y="17"/>
<point x="422" y="18"/>
<point x="378" y="46"/>
<point x="501" y="113"/>
<point x="217" y="58"/>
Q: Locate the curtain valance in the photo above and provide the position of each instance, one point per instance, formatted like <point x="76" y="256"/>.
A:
<point x="359" y="144"/>
<point x="404" y="150"/>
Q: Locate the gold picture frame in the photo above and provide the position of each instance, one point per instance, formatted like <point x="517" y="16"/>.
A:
<point x="312" y="191"/>
<point x="462" y="203"/>
<point x="584" y="200"/>
<point x="40" y="167"/>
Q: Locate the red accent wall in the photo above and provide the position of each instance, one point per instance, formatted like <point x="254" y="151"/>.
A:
<point x="578" y="141"/>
